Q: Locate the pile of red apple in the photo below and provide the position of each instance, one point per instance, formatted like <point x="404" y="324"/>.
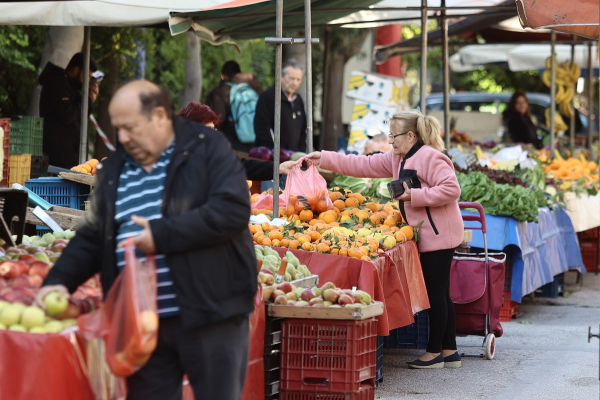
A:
<point x="22" y="272"/>
<point x="325" y="296"/>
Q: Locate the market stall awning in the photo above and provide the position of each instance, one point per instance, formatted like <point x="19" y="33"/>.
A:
<point x="247" y="19"/>
<point x="117" y="13"/>
<point x="579" y="17"/>
<point x="524" y="57"/>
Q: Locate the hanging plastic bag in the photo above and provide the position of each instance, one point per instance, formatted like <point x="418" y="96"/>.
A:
<point x="128" y="320"/>
<point x="265" y="202"/>
<point x="306" y="189"/>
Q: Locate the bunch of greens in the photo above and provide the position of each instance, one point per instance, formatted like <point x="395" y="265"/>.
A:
<point x="356" y="185"/>
<point x="499" y="199"/>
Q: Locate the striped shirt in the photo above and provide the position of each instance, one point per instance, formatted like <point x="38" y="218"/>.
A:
<point x="140" y="193"/>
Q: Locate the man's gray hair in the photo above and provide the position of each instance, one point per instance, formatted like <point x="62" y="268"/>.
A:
<point x="291" y="63"/>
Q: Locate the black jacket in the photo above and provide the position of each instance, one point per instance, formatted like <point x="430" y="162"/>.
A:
<point x="203" y="233"/>
<point x="293" y="130"/>
<point x="521" y="129"/>
<point x="257" y="170"/>
<point x="60" y="106"/>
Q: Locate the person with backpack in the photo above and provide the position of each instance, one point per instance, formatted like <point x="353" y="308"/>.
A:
<point x="234" y="100"/>
<point x="293" y="116"/>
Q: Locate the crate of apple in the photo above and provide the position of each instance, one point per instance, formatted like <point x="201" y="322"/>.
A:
<point x="325" y="296"/>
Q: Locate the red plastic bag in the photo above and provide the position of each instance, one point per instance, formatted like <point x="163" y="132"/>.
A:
<point x="306" y="189"/>
<point x="128" y="320"/>
<point x="265" y="202"/>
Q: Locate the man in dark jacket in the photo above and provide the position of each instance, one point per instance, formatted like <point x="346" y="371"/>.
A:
<point x="219" y="101"/>
<point x="177" y="188"/>
<point x="60" y="106"/>
<point x="293" y="117"/>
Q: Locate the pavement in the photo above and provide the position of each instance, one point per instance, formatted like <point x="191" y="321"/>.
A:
<point x="543" y="354"/>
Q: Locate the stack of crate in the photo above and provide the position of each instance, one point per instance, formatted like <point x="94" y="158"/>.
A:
<point x="272" y="357"/>
<point x="5" y="126"/>
<point x="26" y="142"/>
<point x="589" y="243"/>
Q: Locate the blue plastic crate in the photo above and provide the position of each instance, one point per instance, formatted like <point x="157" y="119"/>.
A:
<point x="60" y="192"/>
<point x="342" y="143"/>
<point x="414" y="336"/>
<point x="552" y="289"/>
<point x="41" y="230"/>
<point x="379" y="363"/>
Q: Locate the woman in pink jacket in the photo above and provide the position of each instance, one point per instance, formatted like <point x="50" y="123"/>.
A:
<point x="433" y="199"/>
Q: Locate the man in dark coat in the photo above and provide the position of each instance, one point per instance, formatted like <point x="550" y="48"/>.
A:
<point x="293" y="117"/>
<point x="180" y="192"/>
<point x="60" y="106"/>
<point x="219" y="101"/>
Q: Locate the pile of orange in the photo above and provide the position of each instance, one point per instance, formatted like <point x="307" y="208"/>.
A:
<point x="354" y="228"/>
<point x="88" y="168"/>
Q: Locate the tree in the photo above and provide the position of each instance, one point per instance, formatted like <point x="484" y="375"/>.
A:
<point x="192" y="90"/>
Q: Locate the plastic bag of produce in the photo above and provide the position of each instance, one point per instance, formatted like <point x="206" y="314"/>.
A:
<point x="306" y="189"/>
<point x="265" y="201"/>
<point x="128" y="320"/>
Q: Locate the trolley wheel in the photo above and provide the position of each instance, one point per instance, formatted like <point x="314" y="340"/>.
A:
<point x="490" y="346"/>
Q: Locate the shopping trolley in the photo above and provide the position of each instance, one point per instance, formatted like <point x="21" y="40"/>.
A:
<point x="476" y="289"/>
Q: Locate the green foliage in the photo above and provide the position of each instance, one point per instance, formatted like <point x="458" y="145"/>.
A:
<point x="20" y="50"/>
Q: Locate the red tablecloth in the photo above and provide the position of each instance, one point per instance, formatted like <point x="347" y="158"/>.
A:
<point x="394" y="278"/>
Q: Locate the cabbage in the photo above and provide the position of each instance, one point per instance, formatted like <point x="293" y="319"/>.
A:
<point x="356" y="185"/>
<point x="262" y="153"/>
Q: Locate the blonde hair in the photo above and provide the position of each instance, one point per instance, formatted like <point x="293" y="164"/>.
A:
<point x="425" y="127"/>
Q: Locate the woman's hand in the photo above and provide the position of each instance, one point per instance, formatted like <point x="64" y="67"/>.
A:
<point x="406" y="195"/>
<point x="315" y="157"/>
<point x="285" y="167"/>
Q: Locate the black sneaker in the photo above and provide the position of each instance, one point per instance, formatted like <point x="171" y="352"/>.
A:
<point x="436" y="363"/>
<point x="452" y="361"/>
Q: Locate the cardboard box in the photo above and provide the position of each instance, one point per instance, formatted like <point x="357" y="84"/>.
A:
<point x="377" y="89"/>
<point x="369" y="115"/>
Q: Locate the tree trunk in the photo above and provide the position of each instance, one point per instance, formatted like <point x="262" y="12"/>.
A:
<point x="108" y="86"/>
<point x="333" y="92"/>
<point x="192" y="90"/>
<point x="62" y="43"/>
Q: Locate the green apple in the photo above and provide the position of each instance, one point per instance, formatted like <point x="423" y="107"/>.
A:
<point x="3" y="304"/>
<point x="41" y="256"/>
<point x="18" y="328"/>
<point x="37" y="329"/>
<point x="56" y="304"/>
<point x="10" y="315"/>
<point x="54" y="326"/>
<point x="32" y="317"/>
<point x="69" y="322"/>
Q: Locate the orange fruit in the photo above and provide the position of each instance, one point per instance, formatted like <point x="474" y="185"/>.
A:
<point x="304" y="239"/>
<point x="294" y="244"/>
<point x="258" y="232"/>
<point x="313" y="222"/>
<point x="334" y="195"/>
<point x="329" y="217"/>
<point x="314" y="236"/>
<point x="344" y="252"/>
<point x="260" y="239"/>
<point x="321" y="206"/>
<point x="358" y="197"/>
<point x="299" y="207"/>
<point x="275" y="235"/>
<point x="291" y="209"/>
<point x="86" y="167"/>
<point x="408" y="231"/>
<point x="275" y="243"/>
<point x="306" y="215"/>
<point x="293" y="218"/>
<point x="390" y="221"/>
<point x="285" y="242"/>
<point x="307" y="246"/>
<point x="335" y="251"/>
<point x="345" y="218"/>
<point x="372" y="206"/>
<point x="339" y="204"/>
<point x="377" y="218"/>
<point x="337" y="212"/>
<point x="323" y="248"/>
<point x="400" y="237"/>
<point x="266" y="241"/>
<point x="362" y="216"/>
<point x="266" y="227"/>
<point x="351" y="202"/>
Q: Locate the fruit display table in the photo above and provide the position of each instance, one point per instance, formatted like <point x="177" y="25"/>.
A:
<point x="395" y="279"/>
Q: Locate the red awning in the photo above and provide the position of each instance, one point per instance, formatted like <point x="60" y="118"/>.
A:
<point x="580" y="17"/>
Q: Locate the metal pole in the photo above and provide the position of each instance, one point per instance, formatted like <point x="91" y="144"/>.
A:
<point x="446" y="66"/>
<point x="552" y="94"/>
<point x="277" y="133"/>
<point x="85" y="95"/>
<point x="572" y="120"/>
<point x="324" y="108"/>
<point x="590" y="82"/>
<point x="309" y="99"/>
<point x="423" y="55"/>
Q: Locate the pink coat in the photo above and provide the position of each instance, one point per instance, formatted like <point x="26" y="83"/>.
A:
<point x="435" y="203"/>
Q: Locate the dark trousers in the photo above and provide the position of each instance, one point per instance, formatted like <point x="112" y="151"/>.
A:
<point x="442" y="319"/>
<point x="214" y="356"/>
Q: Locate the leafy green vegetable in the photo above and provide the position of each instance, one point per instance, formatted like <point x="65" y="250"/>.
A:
<point x="357" y="185"/>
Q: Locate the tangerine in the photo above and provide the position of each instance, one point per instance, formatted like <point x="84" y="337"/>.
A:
<point x="306" y="215"/>
<point x="351" y="202"/>
<point x="339" y="204"/>
<point x="294" y="244"/>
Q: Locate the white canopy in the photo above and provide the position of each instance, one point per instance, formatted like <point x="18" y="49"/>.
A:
<point x="373" y="17"/>
<point x="117" y="13"/>
<point x="519" y="57"/>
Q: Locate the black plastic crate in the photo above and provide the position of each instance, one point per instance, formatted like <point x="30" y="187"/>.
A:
<point x="271" y="376"/>
<point x="379" y="363"/>
<point x="272" y="325"/>
<point x="37" y="167"/>
<point x="414" y="336"/>
<point x="553" y="289"/>
<point x="272" y="397"/>
<point x="272" y="361"/>
<point x="271" y="388"/>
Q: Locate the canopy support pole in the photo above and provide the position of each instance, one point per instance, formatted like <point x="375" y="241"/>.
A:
<point x="572" y="120"/>
<point x="552" y="93"/>
<point x="423" y="56"/>
<point x="309" y="98"/>
<point x="590" y="82"/>
<point x="277" y="133"/>
<point x="446" y="67"/>
<point x="83" y="144"/>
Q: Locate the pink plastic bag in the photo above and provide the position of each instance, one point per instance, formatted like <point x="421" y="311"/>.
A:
<point x="306" y="189"/>
<point x="265" y="201"/>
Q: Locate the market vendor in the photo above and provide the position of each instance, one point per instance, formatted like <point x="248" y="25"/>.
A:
<point x="60" y="106"/>
<point x="432" y="199"/>
<point x="521" y="124"/>
<point x="179" y="191"/>
<point x="256" y="170"/>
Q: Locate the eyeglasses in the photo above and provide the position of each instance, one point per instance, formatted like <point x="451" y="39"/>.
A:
<point x="392" y="137"/>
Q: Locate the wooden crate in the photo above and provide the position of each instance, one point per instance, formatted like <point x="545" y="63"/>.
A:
<point x="285" y="311"/>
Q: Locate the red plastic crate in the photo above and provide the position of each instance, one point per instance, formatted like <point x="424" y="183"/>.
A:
<point x="509" y="308"/>
<point x="5" y="124"/>
<point x="589" y="253"/>
<point x="328" y="355"/>
<point x="589" y="234"/>
<point x="366" y="392"/>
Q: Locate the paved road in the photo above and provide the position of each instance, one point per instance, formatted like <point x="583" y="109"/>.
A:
<point x="543" y="354"/>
